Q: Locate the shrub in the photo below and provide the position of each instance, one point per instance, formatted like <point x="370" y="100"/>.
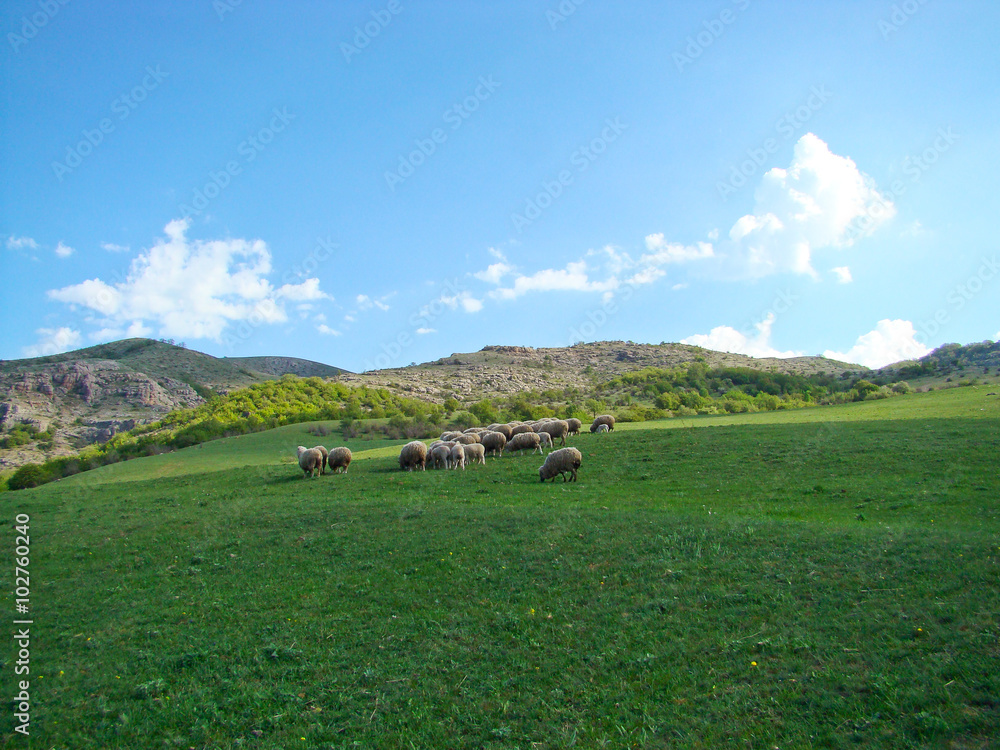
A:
<point x="28" y="476"/>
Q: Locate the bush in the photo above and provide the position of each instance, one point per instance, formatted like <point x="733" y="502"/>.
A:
<point x="28" y="476"/>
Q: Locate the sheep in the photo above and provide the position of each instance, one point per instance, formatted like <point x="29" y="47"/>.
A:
<point x="494" y="442"/>
<point x="414" y="454"/>
<point x="563" y="461"/>
<point x="544" y="440"/>
<point x="467" y="438"/>
<point x="603" y="419"/>
<point x="503" y="429"/>
<point x="557" y="428"/>
<point x="340" y="458"/>
<point x="441" y="456"/>
<point x="476" y="430"/>
<point x="525" y="440"/>
<point x="457" y="456"/>
<point x="325" y="453"/>
<point x="521" y="428"/>
<point x="310" y="461"/>
<point x="450" y="435"/>
<point x="575" y="425"/>
<point x="475" y="453"/>
<point x="601" y="428"/>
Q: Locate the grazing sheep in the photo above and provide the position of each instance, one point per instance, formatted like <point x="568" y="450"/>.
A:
<point x="325" y="453"/>
<point x="476" y="430"/>
<point x="575" y="425"/>
<point x="310" y="461"/>
<point x="503" y="429"/>
<point x="519" y="429"/>
<point x="601" y="428"/>
<point x="441" y="456"/>
<point x="524" y="440"/>
<point x="450" y="435"/>
<point x="603" y="419"/>
<point x="467" y="438"/>
<point x="458" y="456"/>
<point x="494" y="442"/>
<point x="340" y="458"/>
<point x="557" y="428"/>
<point x="413" y="455"/>
<point x="475" y="454"/>
<point x="563" y="461"/>
<point x="544" y="440"/>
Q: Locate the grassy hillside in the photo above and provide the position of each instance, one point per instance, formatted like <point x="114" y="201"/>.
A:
<point x="816" y="578"/>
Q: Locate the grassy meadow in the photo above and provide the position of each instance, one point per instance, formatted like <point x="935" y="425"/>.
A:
<point x="814" y="578"/>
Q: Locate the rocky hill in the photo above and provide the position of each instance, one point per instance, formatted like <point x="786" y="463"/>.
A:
<point x="88" y="395"/>
<point x="499" y="370"/>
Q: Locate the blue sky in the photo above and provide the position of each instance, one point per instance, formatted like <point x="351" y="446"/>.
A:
<point x="374" y="184"/>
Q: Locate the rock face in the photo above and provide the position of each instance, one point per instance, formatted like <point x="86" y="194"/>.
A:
<point x="83" y="403"/>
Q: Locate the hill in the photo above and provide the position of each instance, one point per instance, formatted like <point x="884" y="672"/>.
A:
<point x="88" y="395"/>
<point x="816" y="578"/>
<point x="946" y="364"/>
<point x="278" y="366"/>
<point x="504" y="370"/>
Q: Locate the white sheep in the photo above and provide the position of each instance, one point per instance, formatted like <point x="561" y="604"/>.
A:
<point x="441" y="456"/>
<point x="326" y="455"/>
<point x="503" y="429"/>
<point x="557" y="428"/>
<point x="467" y="438"/>
<point x="458" y="456"/>
<point x="519" y="429"/>
<point x="475" y="454"/>
<point x="524" y="440"/>
<point x="563" y="461"/>
<point x="339" y="458"/>
<point x="544" y="440"/>
<point x="310" y="461"/>
<point x="413" y="455"/>
<point x="606" y="419"/>
<point x="601" y="428"/>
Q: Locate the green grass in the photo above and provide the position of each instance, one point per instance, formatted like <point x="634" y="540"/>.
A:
<point x="818" y="578"/>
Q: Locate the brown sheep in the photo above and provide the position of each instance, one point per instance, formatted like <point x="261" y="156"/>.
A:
<point x="563" y="461"/>
<point x="413" y="455"/>
<point x="340" y="458"/>
<point x="524" y="440"/>
<point x="557" y="429"/>
<point x="603" y="419"/>
<point x="575" y="425"/>
<point x="310" y="461"/>
<point x="494" y="442"/>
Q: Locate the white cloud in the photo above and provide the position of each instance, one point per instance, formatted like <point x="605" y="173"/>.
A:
<point x="891" y="341"/>
<point x="464" y="299"/>
<point x="19" y="243"/>
<point x="494" y="272"/>
<point x="424" y="331"/>
<point x="727" y="339"/>
<point x="326" y="330"/>
<point x="113" y="248"/>
<point x="662" y="252"/>
<point x="820" y="201"/>
<point x="843" y="274"/>
<point x="63" y="250"/>
<point x="349" y="318"/>
<point x="573" y="277"/>
<point x="191" y="288"/>
<point x="364" y="302"/>
<point x="53" y="341"/>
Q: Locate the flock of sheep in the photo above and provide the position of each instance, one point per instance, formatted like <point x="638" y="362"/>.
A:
<point x="456" y="449"/>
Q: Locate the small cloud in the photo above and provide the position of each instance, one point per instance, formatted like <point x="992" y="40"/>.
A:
<point x="364" y="302"/>
<point x="678" y="287"/>
<point x="63" y="250"/>
<point x="891" y="341"/>
<point x="19" y="243"/>
<point x="468" y="303"/>
<point x="727" y="339"/>
<point x="307" y="290"/>
<point x="53" y="341"/>
<point x="494" y="272"/>
<point x="326" y="330"/>
<point x="843" y="274"/>
<point x="113" y="248"/>
<point x="425" y="331"/>
<point x="349" y="318"/>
